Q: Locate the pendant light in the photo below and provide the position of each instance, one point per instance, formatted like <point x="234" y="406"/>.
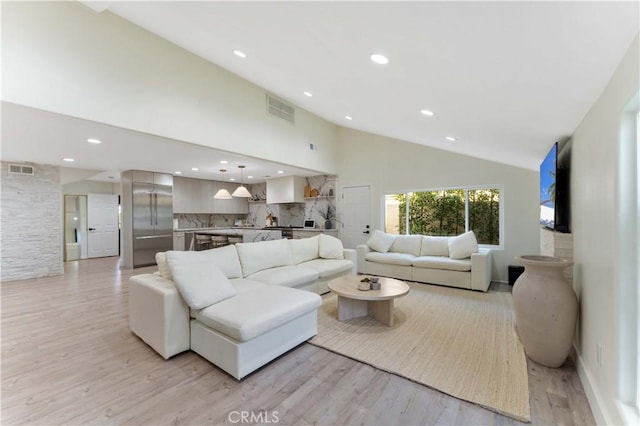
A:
<point x="222" y="193"/>
<point x="241" y="191"/>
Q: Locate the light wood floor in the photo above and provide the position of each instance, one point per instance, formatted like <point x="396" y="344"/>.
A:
<point x="68" y="357"/>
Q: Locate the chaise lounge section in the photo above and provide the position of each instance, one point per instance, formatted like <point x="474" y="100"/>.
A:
<point x="238" y="306"/>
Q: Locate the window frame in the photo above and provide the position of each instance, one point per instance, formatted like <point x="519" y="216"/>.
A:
<point x="466" y="189"/>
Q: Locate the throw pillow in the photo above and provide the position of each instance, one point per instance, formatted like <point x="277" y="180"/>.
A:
<point x="163" y="266"/>
<point x="409" y="244"/>
<point x="380" y="241"/>
<point x="200" y="282"/>
<point x="463" y="245"/>
<point x="226" y="258"/>
<point x="330" y="247"/>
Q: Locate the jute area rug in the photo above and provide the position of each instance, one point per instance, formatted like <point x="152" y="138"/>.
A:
<point x="460" y="342"/>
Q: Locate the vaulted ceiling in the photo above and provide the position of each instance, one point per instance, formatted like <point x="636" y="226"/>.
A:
<point x="504" y="79"/>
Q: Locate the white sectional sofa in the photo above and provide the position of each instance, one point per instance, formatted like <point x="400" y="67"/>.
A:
<point x="238" y="306"/>
<point x="451" y="261"/>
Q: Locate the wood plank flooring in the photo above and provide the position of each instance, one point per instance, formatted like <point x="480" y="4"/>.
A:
<point x="68" y="357"/>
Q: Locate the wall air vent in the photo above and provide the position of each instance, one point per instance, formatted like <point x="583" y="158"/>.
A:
<point x="281" y="109"/>
<point x="17" y="169"/>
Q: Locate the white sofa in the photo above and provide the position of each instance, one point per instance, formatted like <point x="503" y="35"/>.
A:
<point x="451" y="261"/>
<point x="238" y="306"/>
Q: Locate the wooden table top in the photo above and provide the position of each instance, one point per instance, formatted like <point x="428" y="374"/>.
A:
<point x="347" y="286"/>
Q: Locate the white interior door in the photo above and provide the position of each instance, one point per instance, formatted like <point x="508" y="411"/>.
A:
<point x="102" y="220"/>
<point x="356" y="215"/>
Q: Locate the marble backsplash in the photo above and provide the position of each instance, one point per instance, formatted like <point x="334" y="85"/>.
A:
<point x="207" y="220"/>
<point x="296" y="213"/>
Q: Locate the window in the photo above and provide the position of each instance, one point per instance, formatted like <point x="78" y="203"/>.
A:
<point x="446" y="212"/>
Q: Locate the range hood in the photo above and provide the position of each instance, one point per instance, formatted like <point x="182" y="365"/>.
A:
<point x="288" y="189"/>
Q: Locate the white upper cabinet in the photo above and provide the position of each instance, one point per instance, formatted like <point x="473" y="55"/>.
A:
<point x="236" y="205"/>
<point x="196" y="196"/>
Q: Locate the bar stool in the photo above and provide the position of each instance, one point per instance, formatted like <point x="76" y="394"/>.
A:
<point x="203" y="242"/>
<point x="233" y="239"/>
<point x="219" y="241"/>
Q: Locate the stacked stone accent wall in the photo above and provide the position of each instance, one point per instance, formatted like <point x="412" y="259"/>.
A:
<point x="31" y="218"/>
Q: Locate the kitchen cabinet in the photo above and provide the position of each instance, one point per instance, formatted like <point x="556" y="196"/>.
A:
<point x="178" y="240"/>
<point x="288" y="189"/>
<point x="195" y="196"/>
<point x="191" y="195"/>
<point x="236" y="205"/>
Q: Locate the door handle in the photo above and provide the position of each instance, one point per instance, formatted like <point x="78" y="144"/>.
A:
<point x="92" y="229"/>
<point x="150" y="209"/>
<point x="156" y="207"/>
<point x="365" y="232"/>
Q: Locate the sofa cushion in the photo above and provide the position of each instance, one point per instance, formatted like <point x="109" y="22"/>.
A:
<point x="409" y="244"/>
<point x="390" y="258"/>
<point x="330" y="247"/>
<point x="263" y="255"/>
<point x="163" y="266"/>
<point x="255" y="312"/>
<point x="288" y="276"/>
<point x="245" y="284"/>
<point x="380" y="241"/>
<point x="226" y="258"/>
<point x="434" y="246"/>
<point x="304" y="249"/>
<point x="200" y="282"/>
<point x="441" y="262"/>
<point x="328" y="267"/>
<point x="463" y="245"/>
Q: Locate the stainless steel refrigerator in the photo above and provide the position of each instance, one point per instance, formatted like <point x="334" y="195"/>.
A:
<point x="152" y="215"/>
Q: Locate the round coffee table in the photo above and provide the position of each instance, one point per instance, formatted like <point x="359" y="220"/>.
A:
<point x="354" y="303"/>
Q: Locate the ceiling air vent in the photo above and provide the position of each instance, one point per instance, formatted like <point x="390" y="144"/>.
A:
<point x="17" y="169"/>
<point x="281" y="109"/>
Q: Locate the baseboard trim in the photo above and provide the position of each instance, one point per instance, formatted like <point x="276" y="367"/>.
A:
<point x="599" y="410"/>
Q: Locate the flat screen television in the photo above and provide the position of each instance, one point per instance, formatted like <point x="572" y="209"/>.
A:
<point x="555" y="202"/>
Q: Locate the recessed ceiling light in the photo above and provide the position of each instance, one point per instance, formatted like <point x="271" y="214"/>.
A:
<point x="68" y="160"/>
<point x="240" y="54"/>
<point x="280" y="172"/>
<point x="308" y="94"/>
<point x="95" y="141"/>
<point x="348" y="117"/>
<point x="379" y="59"/>
<point x="449" y="138"/>
<point x="178" y="172"/>
<point x="426" y="112"/>
<point x="195" y="169"/>
<point x="249" y="177"/>
<point x="223" y="161"/>
<point x="232" y="179"/>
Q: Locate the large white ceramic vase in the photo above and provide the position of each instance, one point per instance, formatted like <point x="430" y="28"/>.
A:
<point x="546" y="308"/>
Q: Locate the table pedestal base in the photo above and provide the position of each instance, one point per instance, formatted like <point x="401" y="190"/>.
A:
<point x="381" y="310"/>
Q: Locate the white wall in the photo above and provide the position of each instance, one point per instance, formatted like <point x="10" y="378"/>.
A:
<point x="594" y="185"/>
<point x="390" y="165"/>
<point x="85" y="187"/>
<point x="31" y="216"/>
<point x="65" y="58"/>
